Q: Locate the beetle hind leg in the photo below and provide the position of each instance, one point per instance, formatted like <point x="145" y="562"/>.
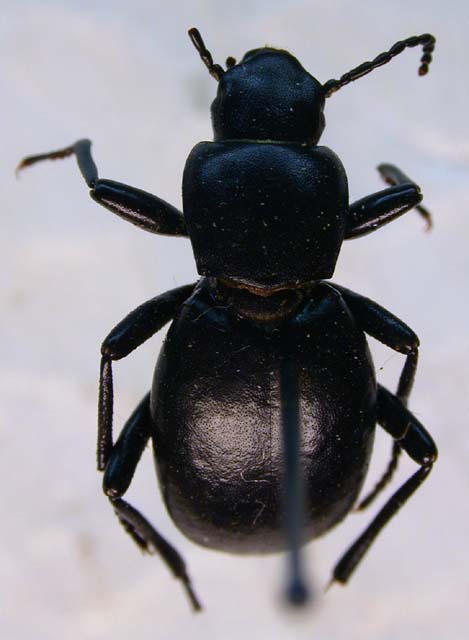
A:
<point x="412" y="436"/>
<point x="406" y="381"/>
<point x="384" y="480"/>
<point x="120" y="468"/>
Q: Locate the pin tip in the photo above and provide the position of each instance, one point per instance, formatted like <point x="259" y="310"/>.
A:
<point x="298" y="594"/>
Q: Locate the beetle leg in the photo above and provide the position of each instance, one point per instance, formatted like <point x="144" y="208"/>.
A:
<point x="120" y="469"/>
<point x="374" y="211"/>
<point x="392" y="175"/>
<point x="139" y="325"/>
<point x="148" y="539"/>
<point x="139" y="207"/>
<point x="384" y="326"/>
<point x="412" y="436"/>
<point x="384" y="480"/>
<point x="120" y="460"/>
<point x="391" y="331"/>
<point x="105" y="411"/>
<point x="404" y="387"/>
<point x="404" y="427"/>
<point x="127" y="451"/>
<point x="134" y="205"/>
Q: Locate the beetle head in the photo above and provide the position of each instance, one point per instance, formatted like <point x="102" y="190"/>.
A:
<point x="268" y="96"/>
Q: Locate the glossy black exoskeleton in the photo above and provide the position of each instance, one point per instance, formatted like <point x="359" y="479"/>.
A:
<point x="264" y="400"/>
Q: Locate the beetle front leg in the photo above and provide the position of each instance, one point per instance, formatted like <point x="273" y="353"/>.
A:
<point x="118" y="475"/>
<point x="412" y="436"/>
<point x="380" y="208"/>
<point x="134" y="205"/>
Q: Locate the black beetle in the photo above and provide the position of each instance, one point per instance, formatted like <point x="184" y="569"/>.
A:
<point x="264" y="399"/>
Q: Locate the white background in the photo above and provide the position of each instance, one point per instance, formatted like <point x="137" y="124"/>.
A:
<point x="125" y="75"/>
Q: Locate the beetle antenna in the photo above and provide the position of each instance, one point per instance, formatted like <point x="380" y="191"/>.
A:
<point x="297" y="591"/>
<point x="426" y="40"/>
<point x="215" y="70"/>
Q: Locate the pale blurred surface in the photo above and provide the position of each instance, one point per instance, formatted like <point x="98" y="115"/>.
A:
<point x="125" y="75"/>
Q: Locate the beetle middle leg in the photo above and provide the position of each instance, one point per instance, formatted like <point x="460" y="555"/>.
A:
<point x="406" y="380"/>
<point x="394" y="333"/>
<point x="119" y="460"/>
<point x="412" y="436"/>
<point x="404" y="387"/>
<point x="139" y="325"/>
